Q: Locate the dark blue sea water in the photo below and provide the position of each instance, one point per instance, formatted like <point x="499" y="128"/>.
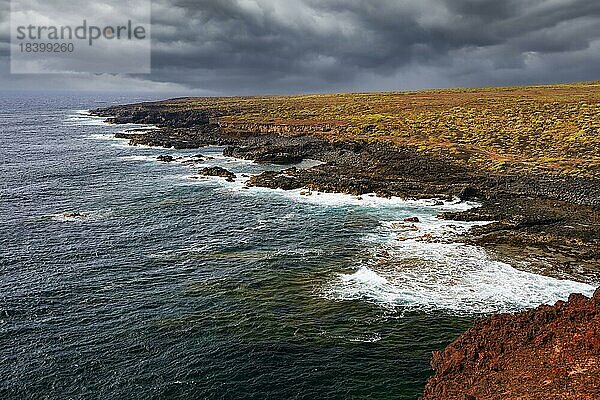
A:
<point x="166" y="287"/>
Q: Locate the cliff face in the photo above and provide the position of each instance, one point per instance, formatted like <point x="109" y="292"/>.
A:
<point x="552" y="352"/>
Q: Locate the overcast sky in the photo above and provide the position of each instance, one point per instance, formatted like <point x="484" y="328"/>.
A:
<point x="230" y="47"/>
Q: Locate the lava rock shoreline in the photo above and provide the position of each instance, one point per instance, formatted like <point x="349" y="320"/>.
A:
<point x="552" y="352"/>
<point x="557" y="218"/>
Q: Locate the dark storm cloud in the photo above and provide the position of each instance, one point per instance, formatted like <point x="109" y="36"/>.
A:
<point x="254" y="46"/>
<point x="275" y="46"/>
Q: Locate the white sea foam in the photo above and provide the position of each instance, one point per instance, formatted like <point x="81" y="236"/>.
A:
<point x="303" y="195"/>
<point x="368" y="200"/>
<point x="106" y="136"/>
<point x="429" y="228"/>
<point x="139" y="158"/>
<point x="85" y="118"/>
<point x="125" y="145"/>
<point x="68" y="218"/>
<point x="424" y="270"/>
<point x="216" y="182"/>
<point x="81" y="216"/>
<point x="371" y="338"/>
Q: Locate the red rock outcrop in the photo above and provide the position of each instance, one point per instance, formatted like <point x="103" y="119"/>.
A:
<point x="552" y="352"/>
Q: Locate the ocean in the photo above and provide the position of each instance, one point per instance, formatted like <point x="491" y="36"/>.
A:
<point x="122" y="277"/>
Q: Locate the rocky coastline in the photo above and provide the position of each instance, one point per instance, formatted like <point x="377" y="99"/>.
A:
<point x="549" y="221"/>
<point x="543" y="219"/>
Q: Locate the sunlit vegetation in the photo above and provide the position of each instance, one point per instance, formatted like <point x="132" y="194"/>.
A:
<point x="552" y="129"/>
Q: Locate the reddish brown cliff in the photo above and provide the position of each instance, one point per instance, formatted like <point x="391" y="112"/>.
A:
<point x="552" y="352"/>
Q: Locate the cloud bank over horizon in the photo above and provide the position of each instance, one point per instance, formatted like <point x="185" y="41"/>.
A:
<point x="231" y="47"/>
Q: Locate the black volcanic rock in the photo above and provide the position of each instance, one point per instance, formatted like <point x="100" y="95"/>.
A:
<point x="267" y="155"/>
<point x="165" y="159"/>
<point x="218" y="171"/>
<point x="147" y="114"/>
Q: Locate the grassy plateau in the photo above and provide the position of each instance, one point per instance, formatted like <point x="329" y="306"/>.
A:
<point x="550" y="129"/>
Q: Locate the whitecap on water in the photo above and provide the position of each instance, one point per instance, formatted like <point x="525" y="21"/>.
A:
<point x="139" y="158"/>
<point x="85" y="121"/>
<point x="106" y="136"/>
<point x="371" y="338"/>
<point x="423" y="269"/>
<point x="79" y="216"/>
<point x="85" y="118"/>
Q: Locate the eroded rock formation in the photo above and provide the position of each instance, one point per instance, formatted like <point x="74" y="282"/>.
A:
<point x="552" y="352"/>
